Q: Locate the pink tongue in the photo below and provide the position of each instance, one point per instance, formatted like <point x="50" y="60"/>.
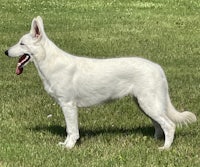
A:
<point x="18" y="70"/>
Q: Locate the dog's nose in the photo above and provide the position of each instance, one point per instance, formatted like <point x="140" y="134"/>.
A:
<point x="6" y="52"/>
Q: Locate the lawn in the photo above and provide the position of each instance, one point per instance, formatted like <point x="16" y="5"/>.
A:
<point x="116" y="134"/>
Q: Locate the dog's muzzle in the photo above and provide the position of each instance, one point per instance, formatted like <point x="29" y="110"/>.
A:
<point x="23" y="60"/>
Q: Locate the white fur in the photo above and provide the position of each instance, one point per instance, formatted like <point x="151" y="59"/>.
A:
<point x="79" y="82"/>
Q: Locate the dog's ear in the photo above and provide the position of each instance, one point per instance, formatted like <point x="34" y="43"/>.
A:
<point x="37" y="28"/>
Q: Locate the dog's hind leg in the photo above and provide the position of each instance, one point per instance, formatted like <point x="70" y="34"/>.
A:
<point x="169" y="129"/>
<point x="155" y="108"/>
<point x="71" y="118"/>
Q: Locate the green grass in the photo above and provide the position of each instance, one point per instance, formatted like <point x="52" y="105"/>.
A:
<point x="114" y="134"/>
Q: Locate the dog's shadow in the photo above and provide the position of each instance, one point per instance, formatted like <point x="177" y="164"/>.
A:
<point x="60" y="131"/>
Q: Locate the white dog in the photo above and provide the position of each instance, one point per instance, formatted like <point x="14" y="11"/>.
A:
<point x="80" y="82"/>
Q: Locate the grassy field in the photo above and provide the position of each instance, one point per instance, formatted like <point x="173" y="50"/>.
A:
<point x="116" y="134"/>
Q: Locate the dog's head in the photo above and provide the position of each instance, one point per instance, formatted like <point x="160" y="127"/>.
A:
<point x="27" y="47"/>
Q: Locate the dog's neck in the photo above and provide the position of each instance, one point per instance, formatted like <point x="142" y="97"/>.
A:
<point x="48" y="55"/>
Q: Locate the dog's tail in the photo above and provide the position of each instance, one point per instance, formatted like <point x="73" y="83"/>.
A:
<point x="180" y="118"/>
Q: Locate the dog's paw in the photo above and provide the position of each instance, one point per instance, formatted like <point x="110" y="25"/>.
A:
<point x="163" y="148"/>
<point x="61" y="143"/>
<point x="69" y="144"/>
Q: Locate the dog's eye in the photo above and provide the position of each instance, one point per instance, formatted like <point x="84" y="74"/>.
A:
<point x="21" y="43"/>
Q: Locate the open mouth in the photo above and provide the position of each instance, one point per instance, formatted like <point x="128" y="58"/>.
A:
<point x="23" y="60"/>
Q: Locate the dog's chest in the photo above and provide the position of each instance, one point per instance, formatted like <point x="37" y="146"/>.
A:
<point x="48" y="87"/>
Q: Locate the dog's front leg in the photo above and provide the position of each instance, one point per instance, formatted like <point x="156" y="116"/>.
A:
<point x="71" y="118"/>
